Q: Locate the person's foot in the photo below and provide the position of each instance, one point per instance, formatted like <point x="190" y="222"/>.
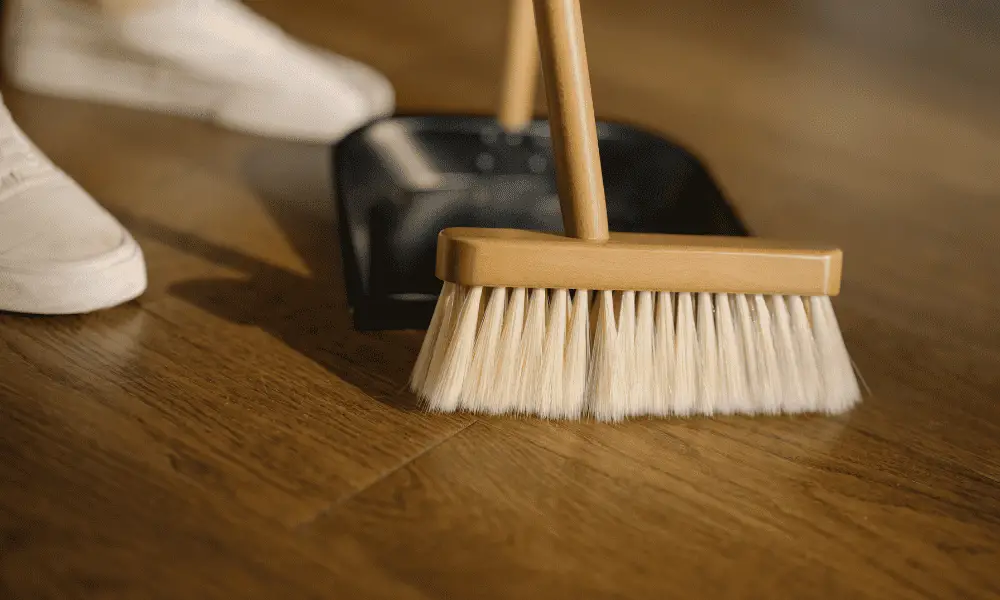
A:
<point x="210" y="59"/>
<point x="60" y="252"/>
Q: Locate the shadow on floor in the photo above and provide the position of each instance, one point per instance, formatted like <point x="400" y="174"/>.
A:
<point x="309" y="314"/>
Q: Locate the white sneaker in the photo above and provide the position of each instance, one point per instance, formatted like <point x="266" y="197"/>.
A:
<point x="60" y="252"/>
<point x="209" y="59"/>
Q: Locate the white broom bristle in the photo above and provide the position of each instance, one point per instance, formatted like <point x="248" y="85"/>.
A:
<point x="482" y="373"/>
<point x="605" y="380"/>
<point x="793" y="390"/>
<point x="663" y="354"/>
<point x="708" y="357"/>
<point x="538" y="352"/>
<point x="503" y="392"/>
<point x="685" y="377"/>
<point x="577" y="359"/>
<point x="626" y="376"/>
<point x="748" y="338"/>
<point x="532" y="347"/>
<point x="772" y="389"/>
<point x="734" y="391"/>
<point x="840" y="387"/>
<point x="644" y="388"/>
<point x="447" y="386"/>
<point x="547" y="394"/>
<point x="806" y="354"/>
<point x="442" y="312"/>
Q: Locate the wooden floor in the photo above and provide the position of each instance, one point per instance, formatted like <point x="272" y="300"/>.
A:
<point x="230" y="436"/>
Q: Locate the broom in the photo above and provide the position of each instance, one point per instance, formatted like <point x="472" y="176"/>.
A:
<point x="619" y="325"/>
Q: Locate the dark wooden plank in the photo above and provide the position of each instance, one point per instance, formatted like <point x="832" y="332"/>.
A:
<point x="81" y="519"/>
<point x="728" y="508"/>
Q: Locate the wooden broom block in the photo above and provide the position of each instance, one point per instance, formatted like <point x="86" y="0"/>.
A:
<point x="520" y="77"/>
<point x="637" y="261"/>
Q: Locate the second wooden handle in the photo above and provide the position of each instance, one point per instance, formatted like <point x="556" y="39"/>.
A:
<point x="520" y="75"/>
<point x="571" y="119"/>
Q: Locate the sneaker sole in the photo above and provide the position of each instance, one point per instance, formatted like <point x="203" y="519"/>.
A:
<point x="78" y="291"/>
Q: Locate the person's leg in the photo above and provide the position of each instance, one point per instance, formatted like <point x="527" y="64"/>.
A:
<point x="60" y="252"/>
<point x="212" y="59"/>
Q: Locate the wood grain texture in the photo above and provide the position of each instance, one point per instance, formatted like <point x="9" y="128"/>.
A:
<point x="230" y="436"/>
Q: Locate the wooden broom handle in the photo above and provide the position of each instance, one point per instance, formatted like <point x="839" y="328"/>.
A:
<point x="517" y="102"/>
<point x="571" y="119"/>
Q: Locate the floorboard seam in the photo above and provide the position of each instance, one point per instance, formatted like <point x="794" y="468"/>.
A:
<point x="382" y="476"/>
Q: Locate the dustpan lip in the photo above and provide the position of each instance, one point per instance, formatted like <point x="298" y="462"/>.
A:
<point x="648" y="134"/>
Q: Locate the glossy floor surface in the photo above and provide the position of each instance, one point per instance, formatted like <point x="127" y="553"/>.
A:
<point x="229" y="435"/>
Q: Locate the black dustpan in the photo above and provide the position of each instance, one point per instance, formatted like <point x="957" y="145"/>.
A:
<point x="400" y="181"/>
<point x="475" y="175"/>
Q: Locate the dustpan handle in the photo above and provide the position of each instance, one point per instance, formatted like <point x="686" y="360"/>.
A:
<point x="517" y="101"/>
<point x="571" y="118"/>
